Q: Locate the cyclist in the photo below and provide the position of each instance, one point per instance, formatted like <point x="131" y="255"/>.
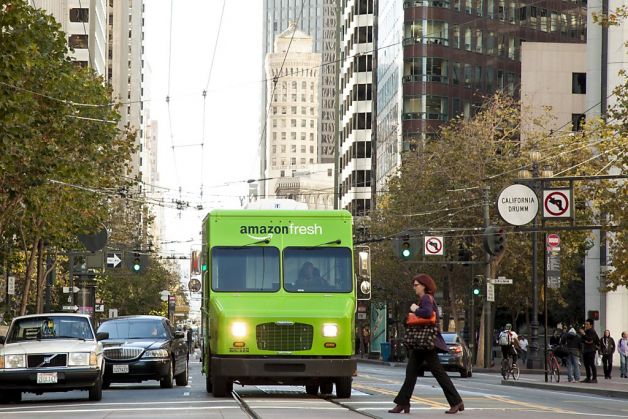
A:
<point x="509" y="342"/>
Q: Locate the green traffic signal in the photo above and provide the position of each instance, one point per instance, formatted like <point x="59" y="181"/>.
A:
<point x="476" y="291"/>
<point x="405" y="250"/>
<point x="477" y="284"/>
<point x="137" y="265"/>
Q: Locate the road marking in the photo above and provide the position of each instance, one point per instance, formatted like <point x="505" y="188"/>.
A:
<point x="413" y="398"/>
<point x="187" y="393"/>
<point x="138" y="409"/>
<point x="39" y="406"/>
<point x="503" y="399"/>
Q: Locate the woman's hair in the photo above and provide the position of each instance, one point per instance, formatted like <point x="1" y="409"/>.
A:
<point x="426" y="281"/>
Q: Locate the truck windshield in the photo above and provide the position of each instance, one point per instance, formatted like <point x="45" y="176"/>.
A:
<point x="245" y="269"/>
<point x="317" y="269"/>
<point x="50" y="327"/>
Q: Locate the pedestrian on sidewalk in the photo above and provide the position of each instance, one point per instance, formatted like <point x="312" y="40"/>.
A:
<point x="523" y="345"/>
<point x="623" y="354"/>
<point x="424" y="288"/>
<point x="590" y="344"/>
<point x="607" y="349"/>
<point x="571" y="340"/>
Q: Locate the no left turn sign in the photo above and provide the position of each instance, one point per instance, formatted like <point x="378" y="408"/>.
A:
<point x="433" y="245"/>
<point x="557" y="203"/>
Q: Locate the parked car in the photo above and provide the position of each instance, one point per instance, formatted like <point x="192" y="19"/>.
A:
<point x="459" y="357"/>
<point x="50" y="352"/>
<point x="141" y="348"/>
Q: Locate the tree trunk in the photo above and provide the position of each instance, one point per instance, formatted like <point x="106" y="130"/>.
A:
<point x="27" y="276"/>
<point x="41" y="277"/>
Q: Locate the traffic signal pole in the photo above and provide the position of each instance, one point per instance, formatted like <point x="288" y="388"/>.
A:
<point x="488" y="336"/>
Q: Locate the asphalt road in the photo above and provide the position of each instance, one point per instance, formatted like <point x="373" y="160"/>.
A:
<point x="374" y="389"/>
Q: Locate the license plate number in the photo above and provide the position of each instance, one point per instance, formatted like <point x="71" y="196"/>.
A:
<point x="46" y="377"/>
<point x="120" y="369"/>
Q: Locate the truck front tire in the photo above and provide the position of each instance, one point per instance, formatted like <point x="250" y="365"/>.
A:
<point x="343" y="387"/>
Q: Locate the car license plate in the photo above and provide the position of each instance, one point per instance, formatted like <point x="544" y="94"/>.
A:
<point x="46" y="377"/>
<point x="120" y="369"/>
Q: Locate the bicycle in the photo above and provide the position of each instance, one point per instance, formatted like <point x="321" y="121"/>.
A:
<point x="509" y="368"/>
<point x="553" y="366"/>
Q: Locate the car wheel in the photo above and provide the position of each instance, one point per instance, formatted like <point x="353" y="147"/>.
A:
<point x="311" y="389"/>
<point x="95" y="392"/>
<point x="343" y="387"/>
<point x="327" y="388"/>
<point x="182" y="379"/>
<point x="222" y="386"/>
<point x="10" y="396"/>
<point x="106" y="384"/>
<point x="167" y="381"/>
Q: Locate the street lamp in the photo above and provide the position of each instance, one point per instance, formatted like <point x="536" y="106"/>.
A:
<point x="535" y="157"/>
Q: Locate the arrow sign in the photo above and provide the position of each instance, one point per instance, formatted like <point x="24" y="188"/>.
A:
<point x="557" y="203"/>
<point x="73" y="308"/>
<point x="113" y="260"/>
<point x="433" y="245"/>
<point x="66" y="290"/>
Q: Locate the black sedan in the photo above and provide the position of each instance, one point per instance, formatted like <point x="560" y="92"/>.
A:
<point x="458" y="359"/>
<point x="141" y="348"/>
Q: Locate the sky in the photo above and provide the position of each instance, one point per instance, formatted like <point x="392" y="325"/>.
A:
<point x="181" y="70"/>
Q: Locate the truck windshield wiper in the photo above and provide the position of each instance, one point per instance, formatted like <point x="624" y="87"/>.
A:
<point x="337" y="241"/>
<point x="265" y="241"/>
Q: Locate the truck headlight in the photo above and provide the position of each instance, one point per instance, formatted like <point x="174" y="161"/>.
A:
<point x="238" y="329"/>
<point x="330" y="330"/>
<point x="15" y="361"/>
<point x="79" y="359"/>
<point x="156" y="353"/>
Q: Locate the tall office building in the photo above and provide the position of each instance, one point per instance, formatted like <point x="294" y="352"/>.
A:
<point x="438" y="59"/>
<point x="85" y="23"/>
<point x="125" y="65"/>
<point x="316" y="18"/>
<point x="355" y="88"/>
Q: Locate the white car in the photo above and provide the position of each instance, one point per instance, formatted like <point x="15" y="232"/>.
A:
<point x="50" y="352"/>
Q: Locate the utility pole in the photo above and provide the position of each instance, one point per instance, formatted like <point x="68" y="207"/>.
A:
<point x="488" y="337"/>
<point x="49" y="282"/>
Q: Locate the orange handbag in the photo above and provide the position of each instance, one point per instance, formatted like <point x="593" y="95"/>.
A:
<point x="414" y="320"/>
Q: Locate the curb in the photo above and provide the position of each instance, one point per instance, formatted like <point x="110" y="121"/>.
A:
<point x="619" y="394"/>
<point x="475" y="369"/>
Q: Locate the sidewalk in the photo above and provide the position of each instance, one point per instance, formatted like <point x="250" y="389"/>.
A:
<point x="494" y="369"/>
<point x="616" y="387"/>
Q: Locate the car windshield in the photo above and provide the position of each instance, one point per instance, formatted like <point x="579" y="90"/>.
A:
<point x="245" y="269"/>
<point x="450" y="337"/>
<point x="134" y="329"/>
<point x="317" y="269"/>
<point x="50" y="327"/>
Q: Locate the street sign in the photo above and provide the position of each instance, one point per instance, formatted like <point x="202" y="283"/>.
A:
<point x="490" y="292"/>
<point x="553" y="269"/>
<point x="553" y="242"/>
<point x="557" y="203"/>
<point x="113" y="260"/>
<point x="73" y="308"/>
<point x="433" y="245"/>
<point x="361" y="316"/>
<point x="113" y="312"/>
<point x="11" y="286"/>
<point x="517" y="204"/>
<point x="66" y="290"/>
<point x="164" y="295"/>
<point x="194" y="285"/>
<point x="501" y="280"/>
<point x="100" y="308"/>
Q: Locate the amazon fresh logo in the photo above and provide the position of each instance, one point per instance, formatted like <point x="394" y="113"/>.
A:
<point x="262" y="232"/>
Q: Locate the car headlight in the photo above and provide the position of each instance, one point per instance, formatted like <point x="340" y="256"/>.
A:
<point x="156" y="353"/>
<point x="79" y="359"/>
<point x="238" y="329"/>
<point x="330" y="330"/>
<point x="15" y="361"/>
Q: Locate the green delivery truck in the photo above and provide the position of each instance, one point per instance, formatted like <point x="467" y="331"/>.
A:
<point x="279" y="299"/>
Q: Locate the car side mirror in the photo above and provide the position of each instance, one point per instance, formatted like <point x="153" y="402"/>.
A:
<point x="2" y="340"/>
<point x="102" y="336"/>
<point x="179" y="335"/>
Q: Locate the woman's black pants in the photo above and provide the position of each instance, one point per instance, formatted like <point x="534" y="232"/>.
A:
<point x="415" y="361"/>
<point x="607" y="363"/>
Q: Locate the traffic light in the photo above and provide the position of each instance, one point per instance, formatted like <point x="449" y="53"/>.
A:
<point x="476" y="288"/>
<point x="136" y="262"/>
<point x="494" y="240"/>
<point x="405" y="247"/>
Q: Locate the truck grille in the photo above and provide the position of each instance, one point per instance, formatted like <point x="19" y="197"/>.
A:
<point x="284" y="337"/>
<point x="46" y="360"/>
<point x="122" y="354"/>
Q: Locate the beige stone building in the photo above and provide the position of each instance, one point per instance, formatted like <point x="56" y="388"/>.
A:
<point x="553" y="85"/>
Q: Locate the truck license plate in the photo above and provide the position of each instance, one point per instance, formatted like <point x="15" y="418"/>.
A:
<point x="120" y="369"/>
<point x="46" y="377"/>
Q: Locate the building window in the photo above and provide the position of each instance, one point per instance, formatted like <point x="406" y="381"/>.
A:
<point x="427" y="32"/>
<point x="293" y="161"/>
<point x="78" y="41"/>
<point x="293" y="123"/>
<point x="578" y="83"/>
<point x="293" y="148"/>
<point x="577" y="121"/>
<point x="427" y="69"/>
<point x="79" y="15"/>
<point x="293" y="135"/>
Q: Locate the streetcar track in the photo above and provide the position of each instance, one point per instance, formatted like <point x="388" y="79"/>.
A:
<point x="244" y="405"/>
